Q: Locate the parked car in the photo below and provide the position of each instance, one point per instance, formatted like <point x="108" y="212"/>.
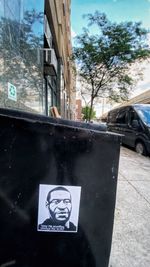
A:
<point x="133" y="121"/>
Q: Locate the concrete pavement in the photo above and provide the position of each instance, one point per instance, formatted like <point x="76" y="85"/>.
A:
<point x="131" y="235"/>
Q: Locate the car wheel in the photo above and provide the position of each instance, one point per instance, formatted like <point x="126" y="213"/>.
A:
<point x="140" y="148"/>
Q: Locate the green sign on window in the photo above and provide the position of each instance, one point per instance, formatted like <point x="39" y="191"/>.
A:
<point x="12" y="92"/>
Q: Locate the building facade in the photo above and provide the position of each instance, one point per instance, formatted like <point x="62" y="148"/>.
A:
<point x="143" y="98"/>
<point x="35" y="51"/>
<point x="78" y="109"/>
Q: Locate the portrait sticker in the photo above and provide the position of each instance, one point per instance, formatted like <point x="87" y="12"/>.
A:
<point x="58" y="208"/>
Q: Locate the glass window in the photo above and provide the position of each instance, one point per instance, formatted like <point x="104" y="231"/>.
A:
<point x="144" y="113"/>
<point x="51" y="92"/>
<point x="112" y="116"/>
<point x="122" y="116"/>
<point x="132" y="116"/>
<point x="21" y="39"/>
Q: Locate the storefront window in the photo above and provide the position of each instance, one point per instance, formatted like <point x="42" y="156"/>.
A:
<point x="21" y="68"/>
<point x="51" y="92"/>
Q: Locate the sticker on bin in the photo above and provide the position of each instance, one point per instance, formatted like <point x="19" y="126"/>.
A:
<point x="58" y="209"/>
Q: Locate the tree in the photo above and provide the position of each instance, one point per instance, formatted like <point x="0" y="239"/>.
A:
<point x="86" y="111"/>
<point x="105" y="59"/>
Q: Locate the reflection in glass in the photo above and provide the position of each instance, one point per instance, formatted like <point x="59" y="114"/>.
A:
<point x="21" y="38"/>
<point x="144" y="113"/>
<point x="51" y="92"/>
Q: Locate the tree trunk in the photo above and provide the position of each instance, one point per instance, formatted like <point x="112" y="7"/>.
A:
<point x="91" y="108"/>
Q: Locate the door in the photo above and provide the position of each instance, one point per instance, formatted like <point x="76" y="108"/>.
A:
<point x="121" y="125"/>
<point x="132" y="129"/>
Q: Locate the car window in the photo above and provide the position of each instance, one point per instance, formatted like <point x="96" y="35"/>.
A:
<point x="133" y="116"/>
<point x="112" y="116"/>
<point x="144" y="113"/>
<point x="122" y="116"/>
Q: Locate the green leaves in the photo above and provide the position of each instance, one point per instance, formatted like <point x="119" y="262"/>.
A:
<point x="88" y="113"/>
<point x="105" y="59"/>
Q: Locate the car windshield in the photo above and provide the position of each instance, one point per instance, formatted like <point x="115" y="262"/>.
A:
<point x="144" y="113"/>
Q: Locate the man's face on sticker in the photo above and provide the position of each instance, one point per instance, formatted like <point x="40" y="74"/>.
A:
<point x="60" y="205"/>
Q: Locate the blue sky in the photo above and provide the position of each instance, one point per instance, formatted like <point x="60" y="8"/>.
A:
<point x="116" y="11"/>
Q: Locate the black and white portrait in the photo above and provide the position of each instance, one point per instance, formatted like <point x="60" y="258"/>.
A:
<point x="58" y="209"/>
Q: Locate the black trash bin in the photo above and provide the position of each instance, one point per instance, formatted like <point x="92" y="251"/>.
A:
<point x="58" y="183"/>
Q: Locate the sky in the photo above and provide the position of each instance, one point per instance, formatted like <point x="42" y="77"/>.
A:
<point x="116" y="11"/>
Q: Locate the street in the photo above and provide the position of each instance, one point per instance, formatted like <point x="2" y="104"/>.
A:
<point x="131" y="235"/>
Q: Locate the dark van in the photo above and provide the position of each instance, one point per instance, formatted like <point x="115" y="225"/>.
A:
<point x="133" y="122"/>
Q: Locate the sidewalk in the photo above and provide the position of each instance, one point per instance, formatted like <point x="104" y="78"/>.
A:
<point x="131" y="236"/>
